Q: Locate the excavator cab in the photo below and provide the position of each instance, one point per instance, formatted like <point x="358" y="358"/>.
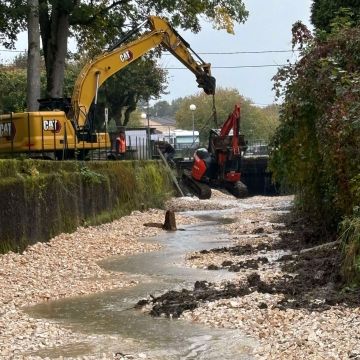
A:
<point x="55" y="104"/>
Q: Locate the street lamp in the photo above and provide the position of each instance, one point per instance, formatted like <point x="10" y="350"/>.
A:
<point x="144" y="116"/>
<point x="192" y="109"/>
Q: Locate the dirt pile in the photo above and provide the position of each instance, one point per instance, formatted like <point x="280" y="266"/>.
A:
<point x="174" y="303"/>
<point x="311" y="280"/>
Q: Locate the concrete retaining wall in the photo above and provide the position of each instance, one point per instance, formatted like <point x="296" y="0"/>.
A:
<point x="40" y="199"/>
<point x="257" y="178"/>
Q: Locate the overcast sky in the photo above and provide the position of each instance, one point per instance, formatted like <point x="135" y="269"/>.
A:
<point x="267" y="28"/>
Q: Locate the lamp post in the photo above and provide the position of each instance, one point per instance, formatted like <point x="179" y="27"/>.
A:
<point x="144" y="116"/>
<point x="192" y="109"/>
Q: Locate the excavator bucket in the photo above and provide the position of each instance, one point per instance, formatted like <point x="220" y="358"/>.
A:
<point x="208" y="83"/>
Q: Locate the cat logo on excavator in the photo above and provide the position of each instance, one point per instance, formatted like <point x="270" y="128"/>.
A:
<point x="52" y="125"/>
<point x="126" y="56"/>
<point x="7" y="130"/>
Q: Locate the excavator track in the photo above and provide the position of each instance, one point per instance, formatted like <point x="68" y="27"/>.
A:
<point x="201" y="190"/>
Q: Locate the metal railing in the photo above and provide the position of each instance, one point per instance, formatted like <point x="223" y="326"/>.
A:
<point x="40" y="137"/>
<point x="52" y="142"/>
<point x="258" y="147"/>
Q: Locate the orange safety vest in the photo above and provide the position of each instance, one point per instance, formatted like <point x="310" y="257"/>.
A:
<point x="121" y="145"/>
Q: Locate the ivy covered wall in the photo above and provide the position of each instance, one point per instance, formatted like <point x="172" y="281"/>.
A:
<point x="40" y="199"/>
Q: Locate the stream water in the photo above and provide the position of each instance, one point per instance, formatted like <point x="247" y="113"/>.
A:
<point x="113" y="323"/>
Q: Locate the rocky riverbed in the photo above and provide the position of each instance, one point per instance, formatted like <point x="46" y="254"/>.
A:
<point x="291" y="301"/>
<point x="288" y="302"/>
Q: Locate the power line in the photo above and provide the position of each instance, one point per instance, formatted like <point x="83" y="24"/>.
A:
<point x="14" y="51"/>
<point x="232" y="67"/>
<point x="244" y="52"/>
<point x="249" y="52"/>
<point x="203" y="53"/>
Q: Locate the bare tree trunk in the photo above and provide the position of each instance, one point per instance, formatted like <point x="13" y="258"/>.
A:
<point x="54" y="33"/>
<point x="128" y="112"/>
<point x="33" y="65"/>
<point x="57" y="50"/>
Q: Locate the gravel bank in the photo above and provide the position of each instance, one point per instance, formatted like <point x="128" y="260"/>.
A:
<point x="284" y="326"/>
<point x="65" y="266"/>
<point x="306" y="330"/>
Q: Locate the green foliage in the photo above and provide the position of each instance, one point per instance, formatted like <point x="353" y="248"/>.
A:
<point x="162" y="108"/>
<point x="40" y="199"/>
<point x="350" y="238"/>
<point x="13" y="84"/>
<point x="12" y="21"/>
<point x="256" y="123"/>
<point x="97" y="24"/>
<point x="344" y="19"/>
<point x="154" y="182"/>
<point x="12" y="90"/>
<point x="123" y="91"/>
<point x="91" y="177"/>
<point x="72" y="70"/>
<point x="135" y="119"/>
<point x="88" y="18"/>
<point x="326" y="13"/>
<point x="316" y="145"/>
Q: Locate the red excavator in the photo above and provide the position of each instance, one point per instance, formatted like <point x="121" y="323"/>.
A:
<point x="219" y="165"/>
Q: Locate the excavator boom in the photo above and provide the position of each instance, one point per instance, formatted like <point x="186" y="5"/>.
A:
<point x="62" y="129"/>
<point x="94" y="74"/>
<point x="232" y="123"/>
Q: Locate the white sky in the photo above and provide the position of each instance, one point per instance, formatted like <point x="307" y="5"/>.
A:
<point x="267" y="28"/>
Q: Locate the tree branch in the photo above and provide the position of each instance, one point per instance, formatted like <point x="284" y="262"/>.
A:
<point x="91" y="19"/>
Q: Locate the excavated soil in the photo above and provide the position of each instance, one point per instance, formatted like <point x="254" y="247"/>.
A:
<point x="310" y="280"/>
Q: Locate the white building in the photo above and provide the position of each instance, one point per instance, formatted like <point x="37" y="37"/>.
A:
<point x="180" y="139"/>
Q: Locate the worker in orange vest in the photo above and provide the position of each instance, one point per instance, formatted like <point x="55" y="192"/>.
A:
<point x="120" y="146"/>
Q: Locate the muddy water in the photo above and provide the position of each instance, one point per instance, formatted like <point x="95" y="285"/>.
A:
<point x="115" y="326"/>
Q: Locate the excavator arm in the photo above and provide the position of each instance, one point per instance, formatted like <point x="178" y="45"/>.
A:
<point x="232" y="122"/>
<point x="94" y="74"/>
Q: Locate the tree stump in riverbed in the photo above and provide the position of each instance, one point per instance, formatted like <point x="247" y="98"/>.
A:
<point x="170" y="222"/>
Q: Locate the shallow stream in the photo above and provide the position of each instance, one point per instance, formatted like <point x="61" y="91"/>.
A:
<point x="114" y="325"/>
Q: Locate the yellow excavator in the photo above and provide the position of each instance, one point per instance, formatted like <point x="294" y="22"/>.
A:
<point x="62" y="128"/>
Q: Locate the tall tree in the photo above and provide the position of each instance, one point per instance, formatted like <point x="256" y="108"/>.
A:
<point x="33" y="67"/>
<point x="12" y="20"/>
<point x="323" y="12"/>
<point x="122" y="94"/>
<point x="317" y="142"/>
<point x="100" y="21"/>
<point x="162" y="108"/>
<point x="316" y="146"/>
<point x="13" y="81"/>
<point x="256" y="123"/>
